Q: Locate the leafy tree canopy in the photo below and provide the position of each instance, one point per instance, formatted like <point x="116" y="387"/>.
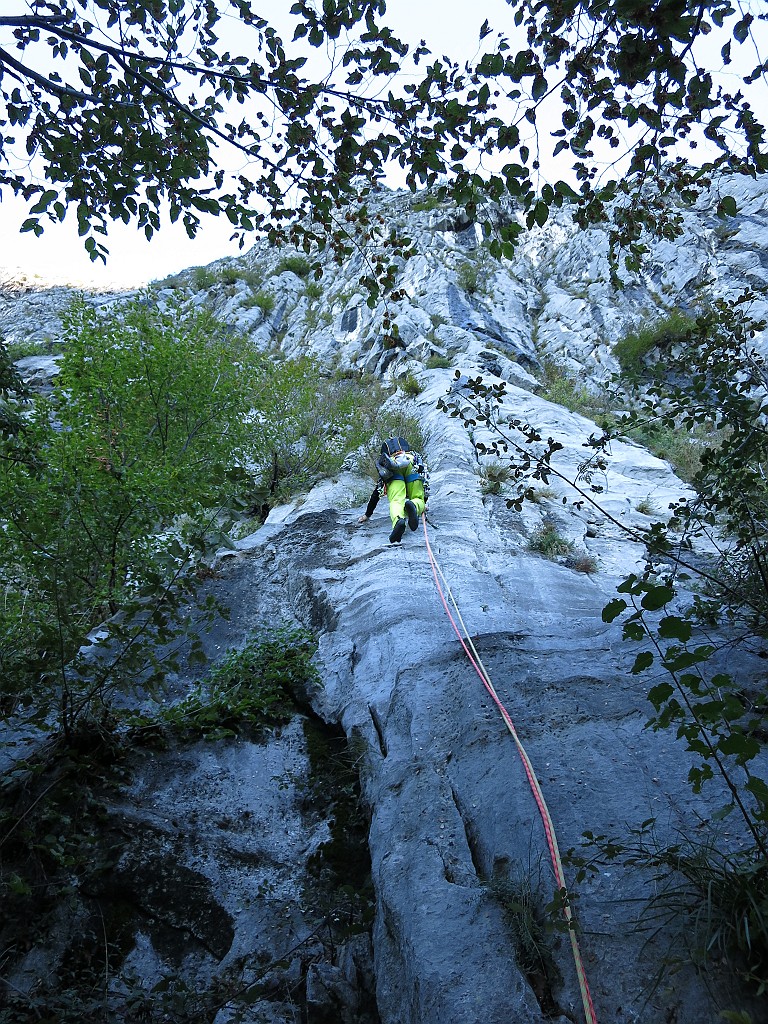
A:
<point x="129" y="105"/>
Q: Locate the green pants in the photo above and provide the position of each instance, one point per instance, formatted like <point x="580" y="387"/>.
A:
<point x="401" y="488"/>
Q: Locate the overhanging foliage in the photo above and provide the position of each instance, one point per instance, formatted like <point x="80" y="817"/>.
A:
<point x="129" y="108"/>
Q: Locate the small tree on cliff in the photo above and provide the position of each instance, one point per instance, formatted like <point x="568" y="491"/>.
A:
<point x="148" y="422"/>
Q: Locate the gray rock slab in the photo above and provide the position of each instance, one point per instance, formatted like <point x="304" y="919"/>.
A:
<point x="451" y="809"/>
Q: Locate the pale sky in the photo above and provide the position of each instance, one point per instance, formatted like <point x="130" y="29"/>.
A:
<point x="58" y="255"/>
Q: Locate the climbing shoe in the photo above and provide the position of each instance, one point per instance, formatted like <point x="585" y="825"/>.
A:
<point x="413" y="515"/>
<point x="397" y="532"/>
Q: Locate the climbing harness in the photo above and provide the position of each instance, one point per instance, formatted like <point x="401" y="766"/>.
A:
<point x="549" y="829"/>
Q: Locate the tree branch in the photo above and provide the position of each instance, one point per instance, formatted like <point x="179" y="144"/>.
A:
<point x="41" y="80"/>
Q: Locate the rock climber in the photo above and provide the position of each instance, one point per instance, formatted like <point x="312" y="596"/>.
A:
<point x="401" y="477"/>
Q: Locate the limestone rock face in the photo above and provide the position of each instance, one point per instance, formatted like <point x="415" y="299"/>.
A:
<point x="452" y="814"/>
<point x="454" y="827"/>
<point x="30" y="310"/>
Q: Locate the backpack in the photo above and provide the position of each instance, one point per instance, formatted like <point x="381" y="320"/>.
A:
<point x="396" y="457"/>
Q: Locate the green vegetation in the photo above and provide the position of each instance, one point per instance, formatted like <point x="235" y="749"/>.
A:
<point x="410" y="384"/>
<point x="647" y="506"/>
<point x="395" y="423"/>
<point x="186" y="151"/>
<point x="203" y="278"/>
<point x="467" y="278"/>
<point x="722" y="895"/>
<point x="256" y="686"/>
<point x="311" y="421"/>
<point x="307" y="155"/>
<point x="313" y="290"/>
<point x="147" y="421"/>
<point x="493" y="476"/>
<point x="560" y="386"/>
<point x="540" y="494"/>
<point x="21" y="349"/>
<point x="425" y="205"/>
<point x="298" y="265"/>
<point x="683" y="448"/>
<point x="582" y="562"/>
<point x="265" y="301"/>
<point x="114" y="489"/>
<point x="436" y="362"/>
<point x="547" y="540"/>
<point x="658" y="336"/>
<point x="232" y="273"/>
<point x="173" y="281"/>
<point x="531" y="923"/>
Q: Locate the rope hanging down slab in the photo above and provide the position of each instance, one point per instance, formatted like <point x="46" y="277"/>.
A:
<point x="469" y="649"/>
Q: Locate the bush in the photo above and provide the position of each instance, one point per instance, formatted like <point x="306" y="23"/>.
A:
<point x="256" y="686"/>
<point x="647" y="506"/>
<point x="203" y="278"/>
<point x="585" y="563"/>
<point x="17" y="350"/>
<point x="632" y="349"/>
<point x="562" y="388"/>
<point x="229" y="274"/>
<point x="529" y="919"/>
<point x="298" y="265"/>
<point x="548" y="541"/>
<point x="313" y="290"/>
<point x="264" y="300"/>
<point x="425" y="205"/>
<point x="717" y="900"/>
<point x="467" y="278"/>
<point x="436" y="362"/>
<point x="682" y="448"/>
<point x="310" y="422"/>
<point x="148" y="421"/>
<point x="410" y="384"/>
<point x="493" y="476"/>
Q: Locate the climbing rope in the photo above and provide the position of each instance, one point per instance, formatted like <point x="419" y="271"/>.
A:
<point x="469" y="649"/>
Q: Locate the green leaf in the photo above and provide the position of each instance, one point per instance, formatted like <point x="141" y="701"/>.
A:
<point x="672" y="627"/>
<point x="659" y="694"/>
<point x="727" y="207"/>
<point x="633" y="630"/>
<point x="562" y="187"/>
<point x="741" y="29"/>
<point x="44" y="201"/>
<point x="758" y="788"/>
<point x="541" y="213"/>
<point x="656" y="597"/>
<point x="675" y="662"/>
<point x="643" y="661"/>
<point x="539" y="87"/>
<point x="743" y="748"/>
<point x="628" y="586"/>
<point x="613" y="609"/>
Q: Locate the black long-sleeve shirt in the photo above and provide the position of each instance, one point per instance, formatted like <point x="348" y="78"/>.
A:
<point x="373" y="501"/>
<point x="378" y="490"/>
